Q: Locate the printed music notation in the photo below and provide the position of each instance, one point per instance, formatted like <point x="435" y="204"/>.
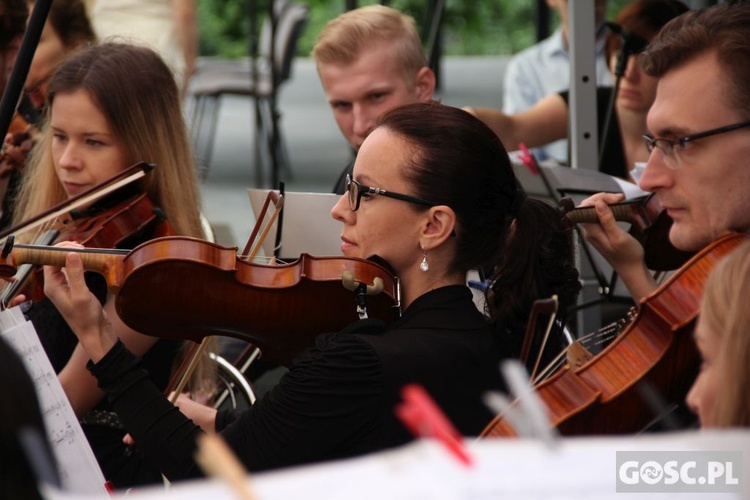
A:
<point x="77" y="466"/>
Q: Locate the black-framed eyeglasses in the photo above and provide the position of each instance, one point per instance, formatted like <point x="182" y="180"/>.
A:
<point x="669" y="148"/>
<point x="357" y="190"/>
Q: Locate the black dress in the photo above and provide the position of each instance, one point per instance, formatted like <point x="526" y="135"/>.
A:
<point x="338" y="398"/>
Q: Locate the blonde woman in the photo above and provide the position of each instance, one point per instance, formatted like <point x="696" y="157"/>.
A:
<point x="719" y="395"/>
<point x="110" y="106"/>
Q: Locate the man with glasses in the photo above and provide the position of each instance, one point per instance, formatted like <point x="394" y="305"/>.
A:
<point x="699" y="141"/>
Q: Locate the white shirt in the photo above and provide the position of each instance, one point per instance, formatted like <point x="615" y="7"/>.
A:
<point x="541" y="70"/>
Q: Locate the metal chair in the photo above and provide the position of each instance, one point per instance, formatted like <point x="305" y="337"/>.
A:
<point x="260" y="79"/>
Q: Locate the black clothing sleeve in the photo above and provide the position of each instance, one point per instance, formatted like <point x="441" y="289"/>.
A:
<point x="339" y="396"/>
<point x="614" y="155"/>
<point x="165" y="435"/>
<point x="308" y="416"/>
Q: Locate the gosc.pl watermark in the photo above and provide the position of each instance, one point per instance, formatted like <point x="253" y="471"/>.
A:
<point x="679" y="471"/>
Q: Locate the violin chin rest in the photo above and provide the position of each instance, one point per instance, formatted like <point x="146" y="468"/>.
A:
<point x="376" y="287"/>
<point x="348" y="282"/>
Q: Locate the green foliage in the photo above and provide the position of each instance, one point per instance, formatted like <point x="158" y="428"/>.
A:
<point x="470" y="27"/>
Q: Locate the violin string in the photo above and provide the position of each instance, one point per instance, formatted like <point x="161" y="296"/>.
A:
<point x="554" y="365"/>
<point x="602" y="336"/>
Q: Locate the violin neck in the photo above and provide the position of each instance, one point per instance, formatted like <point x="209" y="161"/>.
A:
<point x="108" y="263"/>
<point x="25" y="271"/>
<point x="622" y="212"/>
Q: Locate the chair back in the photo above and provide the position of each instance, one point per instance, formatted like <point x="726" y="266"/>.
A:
<point x="291" y="18"/>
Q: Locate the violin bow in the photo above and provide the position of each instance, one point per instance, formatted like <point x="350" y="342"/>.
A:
<point x="541" y="306"/>
<point x="102" y="189"/>
<point x="252" y="247"/>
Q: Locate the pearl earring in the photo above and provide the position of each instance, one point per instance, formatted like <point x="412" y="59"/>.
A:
<point x="424" y="266"/>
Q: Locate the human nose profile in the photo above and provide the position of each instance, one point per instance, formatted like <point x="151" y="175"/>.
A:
<point x="340" y="209"/>
<point x="656" y="174"/>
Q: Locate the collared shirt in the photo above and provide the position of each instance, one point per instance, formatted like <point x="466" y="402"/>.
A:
<point x="541" y="70"/>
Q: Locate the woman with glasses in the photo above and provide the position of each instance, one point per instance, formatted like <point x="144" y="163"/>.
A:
<point x="620" y="145"/>
<point x="434" y="195"/>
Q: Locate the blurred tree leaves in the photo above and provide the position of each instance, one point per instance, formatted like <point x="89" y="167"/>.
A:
<point x="470" y="27"/>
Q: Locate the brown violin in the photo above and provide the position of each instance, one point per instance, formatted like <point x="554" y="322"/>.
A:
<point x="114" y="221"/>
<point x="602" y="396"/>
<point x="14" y="150"/>
<point x="650" y="226"/>
<point x="186" y="288"/>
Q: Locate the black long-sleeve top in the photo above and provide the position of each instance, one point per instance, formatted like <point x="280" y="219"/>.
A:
<point x="338" y="398"/>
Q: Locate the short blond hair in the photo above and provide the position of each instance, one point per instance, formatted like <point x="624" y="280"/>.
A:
<point x="349" y="35"/>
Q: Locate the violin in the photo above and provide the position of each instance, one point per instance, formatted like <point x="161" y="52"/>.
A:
<point x="650" y="226"/>
<point x="14" y="149"/>
<point x="187" y="288"/>
<point x="603" y="396"/>
<point x="115" y="221"/>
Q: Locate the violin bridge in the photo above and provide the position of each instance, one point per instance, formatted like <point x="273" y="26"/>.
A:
<point x="577" y="355"/>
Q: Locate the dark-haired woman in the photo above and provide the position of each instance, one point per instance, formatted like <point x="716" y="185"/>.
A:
<point x="434" y="195"/>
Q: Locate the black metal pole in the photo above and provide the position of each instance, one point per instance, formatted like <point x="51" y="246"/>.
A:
<point x="30" y="40"/>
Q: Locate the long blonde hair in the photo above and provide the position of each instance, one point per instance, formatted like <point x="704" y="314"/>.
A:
<point x="726" y="313"/>
<point x="136" y="92"/>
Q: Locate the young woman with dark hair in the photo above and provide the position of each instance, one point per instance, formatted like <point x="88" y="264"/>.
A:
<point x="434" y="195"/>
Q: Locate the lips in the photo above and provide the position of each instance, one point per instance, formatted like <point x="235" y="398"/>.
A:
<point x="628" y="93"/>
<point x="346" y="244"/>
<point x="73" y="187"/>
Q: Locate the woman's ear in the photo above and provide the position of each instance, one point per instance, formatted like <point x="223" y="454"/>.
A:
<point x="440" y="225"/>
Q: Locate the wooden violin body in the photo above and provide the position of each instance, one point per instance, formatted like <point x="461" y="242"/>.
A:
<point x="604" y="396"/>
<point x="186" y="288"/>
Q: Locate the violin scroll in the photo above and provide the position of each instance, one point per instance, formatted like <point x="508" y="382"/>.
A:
<point x="14" y="151"/>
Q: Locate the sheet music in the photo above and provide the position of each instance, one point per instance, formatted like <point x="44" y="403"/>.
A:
<point x="576" y="469"/>
<point x="77" y="466"/>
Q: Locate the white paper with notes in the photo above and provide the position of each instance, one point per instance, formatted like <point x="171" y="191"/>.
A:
<point x="77" y="466"/>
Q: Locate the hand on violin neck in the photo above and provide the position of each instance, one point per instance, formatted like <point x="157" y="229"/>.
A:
<point x="66" y="288"/>
<point x="623" y="252"/>
<point x="615" y="244"/>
